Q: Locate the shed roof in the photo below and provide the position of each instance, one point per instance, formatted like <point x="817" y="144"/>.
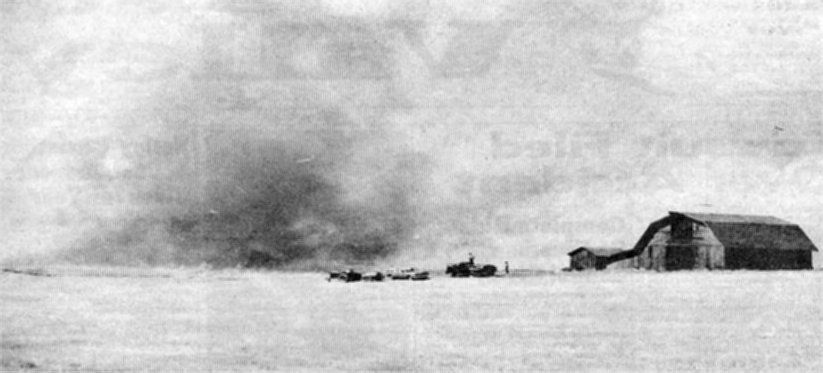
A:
<point x="597" y="251"/>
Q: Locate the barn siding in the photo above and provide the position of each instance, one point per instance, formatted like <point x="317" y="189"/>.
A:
<point x="653" y="255"/>
<point x="717" y="256"/>
<point x="768" y="259"/>
<point x="710" y="250"/>
<point x="667" y="253"/>
<point x="709" y="257"/>
<point x="701" y="257"/>
<point x="678" y="257"/>
<point x="657" y="258"/>
<point x="622" y="264"/>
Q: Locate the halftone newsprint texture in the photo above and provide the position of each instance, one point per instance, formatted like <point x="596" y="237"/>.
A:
<point x="494" y="185"/>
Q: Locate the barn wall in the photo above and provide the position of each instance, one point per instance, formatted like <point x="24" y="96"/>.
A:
<point x="679" y="257"/>
<point x="701" y="257"/>
<point x="716" y="257"/>
<point x="637" y="261"/>
<point x="655" y="258"/>
<point x="604" y="262"/>
<point x="623" y="264"/>
<point x="711" y="250"/>
<point x="658" y="258"/>
<point x="767" y="259"/>
<point x="664" y="252"/>
<point x="708" y="257"/>
<point x="645" y="259"/>
<point x="652" y="257"/>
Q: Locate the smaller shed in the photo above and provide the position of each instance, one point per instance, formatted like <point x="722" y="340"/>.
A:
<point x="587" y="257"/>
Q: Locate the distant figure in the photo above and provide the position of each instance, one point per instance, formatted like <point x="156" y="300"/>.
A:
<point x="507" y="267"/>
<point x="471" y="259"/>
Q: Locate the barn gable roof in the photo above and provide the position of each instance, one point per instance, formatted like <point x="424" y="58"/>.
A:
<point x="739" y="231"/>
<point x="753" y="231"/>
<point x="597" y="251"/>
<point x="733" y="219"/>
<point x="755" y="236"/>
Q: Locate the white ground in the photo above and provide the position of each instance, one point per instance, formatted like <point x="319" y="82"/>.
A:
<point x="230" y="320"/>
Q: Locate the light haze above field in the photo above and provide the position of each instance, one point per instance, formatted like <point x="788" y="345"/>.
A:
<point x="168" y="133"/>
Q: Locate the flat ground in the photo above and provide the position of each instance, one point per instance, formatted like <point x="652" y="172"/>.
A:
<point x="231" y="320"/>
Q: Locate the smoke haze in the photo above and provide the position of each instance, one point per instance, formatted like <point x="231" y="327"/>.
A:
<point x="329" y="132"/>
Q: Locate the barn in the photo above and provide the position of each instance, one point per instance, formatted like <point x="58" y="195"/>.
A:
<point x="685" y="240"/>
<point x="584" y="257"/>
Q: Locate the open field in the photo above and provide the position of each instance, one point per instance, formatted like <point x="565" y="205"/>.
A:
<point x="232" y="320"/>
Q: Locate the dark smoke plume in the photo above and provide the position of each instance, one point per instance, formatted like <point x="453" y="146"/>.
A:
<point x="257" y="195"/>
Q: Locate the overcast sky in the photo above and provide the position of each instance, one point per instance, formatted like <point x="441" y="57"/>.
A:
<point x="515" y="129"/>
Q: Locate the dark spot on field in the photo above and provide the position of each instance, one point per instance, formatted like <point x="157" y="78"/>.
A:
<point x="396" y="366"/>
<point x="12" y="363"/>
<point x="27" y="365"/>
<point x="30" y="271"/>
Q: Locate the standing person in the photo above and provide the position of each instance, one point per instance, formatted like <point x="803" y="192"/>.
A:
<point x="471" y="259"/>
<point x="507" y="267"/>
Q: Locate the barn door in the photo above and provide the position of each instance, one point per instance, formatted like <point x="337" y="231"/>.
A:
<point x="680" y="257"/>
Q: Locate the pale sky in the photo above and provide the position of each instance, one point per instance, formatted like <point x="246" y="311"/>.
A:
<point x="516" y="129"/>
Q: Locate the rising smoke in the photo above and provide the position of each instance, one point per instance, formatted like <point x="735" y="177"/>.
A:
<point x="238" y="198"/>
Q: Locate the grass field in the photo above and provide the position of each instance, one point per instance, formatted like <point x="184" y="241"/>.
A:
<point x="198" y="320"/>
